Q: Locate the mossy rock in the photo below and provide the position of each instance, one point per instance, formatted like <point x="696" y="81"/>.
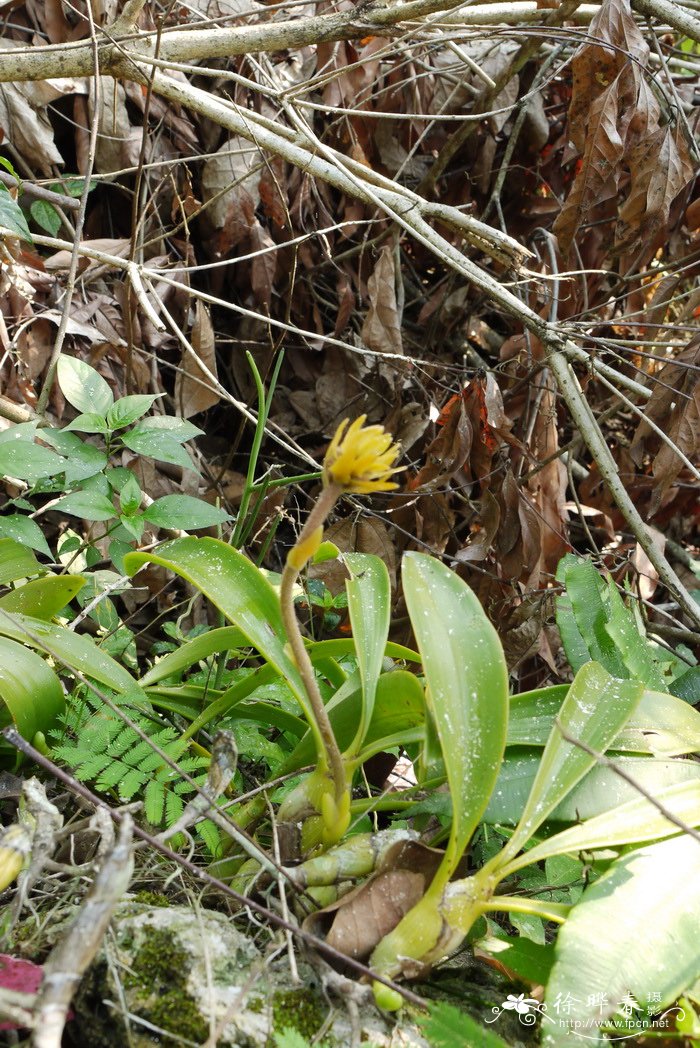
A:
<point x="194" y="976"/>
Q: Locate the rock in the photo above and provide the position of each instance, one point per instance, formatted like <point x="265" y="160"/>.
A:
<point x="193" y="974"/>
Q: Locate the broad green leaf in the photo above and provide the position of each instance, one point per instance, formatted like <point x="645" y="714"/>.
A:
<point x="46" y="216"/>
<point x="179" y="429"/>
<point x="43" y="598"/>
<point x="87" y="422"/>
<point x="661" y="724"/>
<point x="687" y="686"/>
<point x="16" y="562"/>
<point x="467" y="690"/>
<point x="88" y="505"/>
<point x="575" y="645"/>
<point x="157" y="445"/>
<point x="369" y="604"/>
<point x="30" y="462"/>
<point x="25" y="531"/>
<point x="598" y="792"/>
<point x="593" y="712"/>
<point x="30" y="690"/>
<point x="399" y="707"/>
<point x="635" y="650"/>
<point x="224" y="639"/>
<point x="526" y="958"/>
<point x="128" y="409"/>
<point x="82" y="460"/>
<point x="239" y="590"/>
<point x="83" y="387"/>
<point x="69" y="649"/>
<point x="12" y="217"/>
<point x="185" y="512"/>
<point x="130" y="495"/>
<point x="631" y="823"/>
<point x="634" y="931"/>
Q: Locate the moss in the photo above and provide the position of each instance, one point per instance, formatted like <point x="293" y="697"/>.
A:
<point x="151" y="899"/>
<point x="299" y="1010"/>
<point x="158" y="973"/>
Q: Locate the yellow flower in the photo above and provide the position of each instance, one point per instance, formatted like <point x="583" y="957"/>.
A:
<point x="362" y="459"/>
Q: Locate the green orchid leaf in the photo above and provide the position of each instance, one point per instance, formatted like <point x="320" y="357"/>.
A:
<point x="239" y="590"/>
<point x="598" y="792"/>
<point x="43" y="598"/>
<point x="632" y="936"/>
<point x="631" y="823"/>
<point x="593" y="712"/>
<point x="467" y="690"/>
<point x="369" y="604"/>
<point x="30" y="690"/>
<point x="226" y="638"/>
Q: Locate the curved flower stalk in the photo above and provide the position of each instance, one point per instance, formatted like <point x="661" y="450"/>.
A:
<point x="359" y="460"/>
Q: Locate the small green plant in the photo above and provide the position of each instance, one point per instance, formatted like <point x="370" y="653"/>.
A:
<point x="531" y="766"/>
<point x="595" y="623"/>
<point x="56" y="461"/>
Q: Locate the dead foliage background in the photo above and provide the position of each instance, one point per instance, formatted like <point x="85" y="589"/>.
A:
<point x="574" y="136"/>
<point x="571" y="129"/>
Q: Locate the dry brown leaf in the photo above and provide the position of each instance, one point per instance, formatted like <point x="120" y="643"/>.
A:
<point x="381" y="330"/>
<point x="25" y="125"/>
<point x="230" y="187"/>
<point x="674" y="406"/>
<point x="119" y="142"/>
<point x="193" y="388"/>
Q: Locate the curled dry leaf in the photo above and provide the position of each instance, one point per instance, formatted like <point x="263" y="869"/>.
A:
<point x="381" y="330"/>
<point x="674" y="406"/>
<point x="194" y="391"/>
<point x="359" y="921"/>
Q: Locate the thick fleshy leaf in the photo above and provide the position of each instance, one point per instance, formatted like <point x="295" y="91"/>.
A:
<point x="201" y="647"/>
<point x="467" y="690"/>
<point x="399" y="707"/>
<point x="16" y="562"/>
<point x="593" y="712"/>
<point x="369" y="604"/>
<point x="661" y="724"/>
<point x="30" y="690"/>
<point x="238" y="589"/>
<point x="633" y="934"/>
<point x="67" y="648"/>
<point x="598" y="792"/>
<point x="43" y="598"/>
<point x="631" y="823"/>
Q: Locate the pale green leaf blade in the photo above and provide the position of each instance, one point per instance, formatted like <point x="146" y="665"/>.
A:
<point x="467" y="687"/>
<point x="593" y="712"/>
<point x="201" y="647"/>
<point x="43" y="598"/>
<point x="77" y="652"/>
<point x="599" y="791"/>
<point x="16" y="561"/>
<point x="238" y="589"/>
<point x="88" y="505"/>
<point x="634" y="649"/>
<point x="631" y="823"/>
<point x="83" y="387"/>
<point x="369" y="604"/>
<point x="30" y="690"/>
<point x="634" y="931"/>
